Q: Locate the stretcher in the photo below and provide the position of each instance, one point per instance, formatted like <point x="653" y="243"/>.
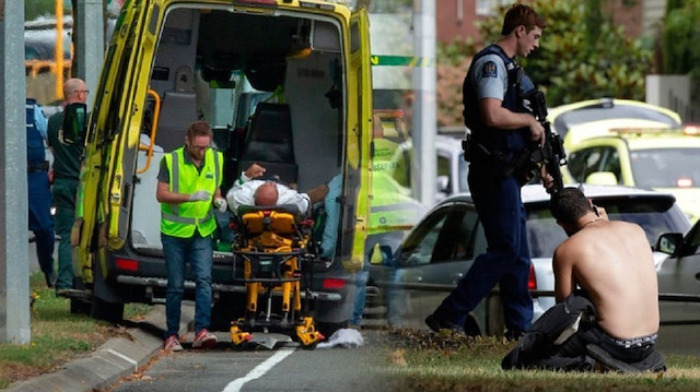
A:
<point x="273" y="245"/>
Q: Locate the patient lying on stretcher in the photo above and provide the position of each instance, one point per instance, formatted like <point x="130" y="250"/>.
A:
<point x="252" y="189"/>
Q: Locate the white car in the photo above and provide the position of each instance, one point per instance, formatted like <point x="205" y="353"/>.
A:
<point x="452" y="169"/>
<point x="441" y="249"/>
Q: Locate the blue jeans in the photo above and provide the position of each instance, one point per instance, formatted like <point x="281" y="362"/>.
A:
<point x="198" y="252"/>
<point x="362" y="276"/>
<point x="507" y="260"/>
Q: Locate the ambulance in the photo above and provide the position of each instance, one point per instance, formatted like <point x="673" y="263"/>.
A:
<point x="283" y="83"/>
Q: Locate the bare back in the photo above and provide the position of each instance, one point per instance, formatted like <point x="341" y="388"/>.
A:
<point x="613" y="263"/>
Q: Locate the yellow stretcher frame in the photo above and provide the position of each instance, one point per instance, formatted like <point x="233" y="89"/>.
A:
<point x="273" y="246"/>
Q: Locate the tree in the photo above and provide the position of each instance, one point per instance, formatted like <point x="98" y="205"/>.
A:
<point x="679" y="52"/>
<point x="582" y="55"/>
<point x="36" y="8"/>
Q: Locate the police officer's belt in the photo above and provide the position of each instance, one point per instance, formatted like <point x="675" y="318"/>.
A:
<point x="37" y="166"/>
<point x="506" y="165"/>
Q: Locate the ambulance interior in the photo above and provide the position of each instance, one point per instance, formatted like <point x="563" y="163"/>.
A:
<point x="272" y="93"/>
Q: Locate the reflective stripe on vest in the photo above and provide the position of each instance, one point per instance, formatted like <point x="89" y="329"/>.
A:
<point x="180" y="220"/>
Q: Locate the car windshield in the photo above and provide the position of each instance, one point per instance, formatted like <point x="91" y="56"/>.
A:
<point x="666" y="168"/>
<point x="655" y="215"/>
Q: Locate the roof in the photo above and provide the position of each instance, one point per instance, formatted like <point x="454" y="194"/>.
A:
<point x="565" y="117"/>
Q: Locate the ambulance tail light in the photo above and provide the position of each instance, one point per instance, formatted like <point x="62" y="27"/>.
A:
<point x="127" y="265"/>
<point x="334" y="283"/>
<point x="532" y="280"/>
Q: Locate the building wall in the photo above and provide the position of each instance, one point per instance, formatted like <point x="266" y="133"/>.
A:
<point x="628" y="14"/>
<point x="455" y="18"/>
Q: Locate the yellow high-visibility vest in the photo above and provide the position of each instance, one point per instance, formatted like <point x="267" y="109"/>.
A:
<point x="181" y="220"/>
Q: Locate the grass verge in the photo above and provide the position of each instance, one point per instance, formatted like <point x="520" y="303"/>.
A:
<point x="57" y="336"/>
<point x="443" y="363"/>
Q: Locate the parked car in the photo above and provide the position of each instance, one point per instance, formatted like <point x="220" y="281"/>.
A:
<point x="441" y="249"/>
<point x="452" y="169"/>
<point x="679" y="276"/>
<point x="666" y="160"/>
<point x="594" y="117"/>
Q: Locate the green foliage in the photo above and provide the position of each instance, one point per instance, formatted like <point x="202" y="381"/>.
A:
<point x="36" y="8"/>
<point x="679" y="30"/>
<point x="582" y="55"/>
<point x="577" y="62"/>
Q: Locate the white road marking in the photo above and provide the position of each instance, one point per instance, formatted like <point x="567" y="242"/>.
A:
<point x="260" y="370"/>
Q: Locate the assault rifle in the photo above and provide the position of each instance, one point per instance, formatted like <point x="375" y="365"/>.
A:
<point x="551" y="154"/>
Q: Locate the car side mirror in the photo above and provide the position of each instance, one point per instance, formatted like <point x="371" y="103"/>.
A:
<point x="74" y="123"/>
<point x="669" y="243"/>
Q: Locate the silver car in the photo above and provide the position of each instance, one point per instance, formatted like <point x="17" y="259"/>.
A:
<point x="679" y="277"/>
<point x="437" y="253"/>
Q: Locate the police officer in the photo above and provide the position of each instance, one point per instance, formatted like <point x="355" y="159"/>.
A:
<point x="39" y="198"/>
<point x="501" y="127"/>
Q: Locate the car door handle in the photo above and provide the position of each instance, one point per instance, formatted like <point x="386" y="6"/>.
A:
<point x="456" y="277"/>
<point x="418" y="278"/>
<point x="697" y="276"/>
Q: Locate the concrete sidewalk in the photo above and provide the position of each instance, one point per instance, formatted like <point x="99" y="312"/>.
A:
<point x="117" y="358"/>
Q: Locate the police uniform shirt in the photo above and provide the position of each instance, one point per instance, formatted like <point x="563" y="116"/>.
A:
<point x="42" y="123"/>
<point x="490" y="77"/>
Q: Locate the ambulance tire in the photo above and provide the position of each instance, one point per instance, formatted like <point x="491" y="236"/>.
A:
<point x="112" y="312"/>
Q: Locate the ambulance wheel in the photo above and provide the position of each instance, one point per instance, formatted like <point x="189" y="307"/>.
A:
<point x="112" y="312"/>
<point x="80" y="306"/>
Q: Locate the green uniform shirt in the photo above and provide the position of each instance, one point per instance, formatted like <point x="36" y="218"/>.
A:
<point x="66" y="157"/>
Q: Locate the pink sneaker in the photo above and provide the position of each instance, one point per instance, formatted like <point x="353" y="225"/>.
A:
<point x="172" y="343"/>
<point x="204" y="339"/>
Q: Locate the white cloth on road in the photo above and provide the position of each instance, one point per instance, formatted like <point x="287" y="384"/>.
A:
<point x="344" y="338"/>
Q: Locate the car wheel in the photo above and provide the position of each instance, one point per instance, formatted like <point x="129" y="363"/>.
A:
<point x="112" y="312"/>
<point x="79" y="305"/>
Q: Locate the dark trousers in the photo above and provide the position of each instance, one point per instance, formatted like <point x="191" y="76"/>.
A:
<point x="507" y="260"/>
<point x="64" y="194"/>
<point x="40" y="219"/>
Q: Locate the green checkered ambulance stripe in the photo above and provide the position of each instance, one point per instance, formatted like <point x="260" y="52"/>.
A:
<point x="175" y="217"/>
<point x="400" y="61"/>
<point x="393" y="207"/>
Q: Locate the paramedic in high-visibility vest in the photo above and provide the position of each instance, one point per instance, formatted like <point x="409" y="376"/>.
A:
<point x="189" y="183"/>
